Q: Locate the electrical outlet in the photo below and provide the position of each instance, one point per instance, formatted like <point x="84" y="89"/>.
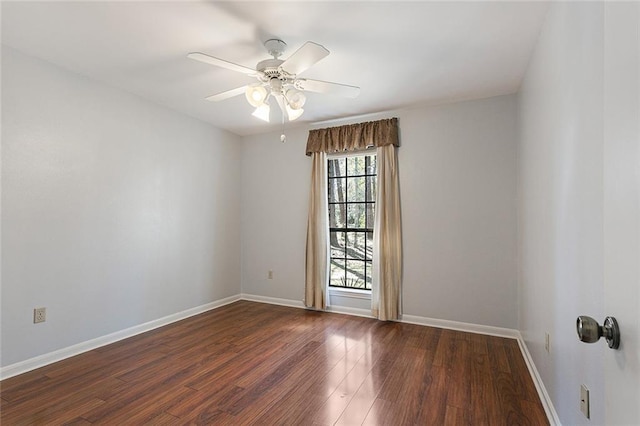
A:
<point x="39" y="315"/>
<point x="584" y="401"/>
<point x="270" y="274"/>
<point x="546" y="342"/>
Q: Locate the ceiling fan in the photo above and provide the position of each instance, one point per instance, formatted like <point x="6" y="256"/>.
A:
<point x="278" y="79"/>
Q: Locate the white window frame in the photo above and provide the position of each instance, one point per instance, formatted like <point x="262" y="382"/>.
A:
<point x="352" y="293"/>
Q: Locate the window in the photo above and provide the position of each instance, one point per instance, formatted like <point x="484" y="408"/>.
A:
<point x="352" y="194"/>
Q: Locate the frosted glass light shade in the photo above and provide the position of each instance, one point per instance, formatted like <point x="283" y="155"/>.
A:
<point x="262" y="112"/>
<point x="256" y="94"/>
<point x="294" y="113"/>
<point x="295" y="98"/>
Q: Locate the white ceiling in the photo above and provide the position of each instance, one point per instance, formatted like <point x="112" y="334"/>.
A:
<point x="399" y="53"/>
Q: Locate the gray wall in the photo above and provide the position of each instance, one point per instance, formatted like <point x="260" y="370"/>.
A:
<point x="458" y="182"/>
<point x="115" y="211"/>
<point x="561" y="199"/>
<point x="579" y="209"/>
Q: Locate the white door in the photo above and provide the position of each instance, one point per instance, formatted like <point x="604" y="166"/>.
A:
<point x="622" y="208"/>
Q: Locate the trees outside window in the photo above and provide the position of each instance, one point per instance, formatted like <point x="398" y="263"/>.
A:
<point x="352" y="194"/>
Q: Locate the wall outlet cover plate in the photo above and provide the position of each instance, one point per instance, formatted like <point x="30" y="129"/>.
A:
<point x="584" y="400"/>
<point x="39" y="315"/>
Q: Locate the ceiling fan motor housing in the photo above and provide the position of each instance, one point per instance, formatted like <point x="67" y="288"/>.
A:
<point x="270" y="68"/>
<point x="273" y="75"/>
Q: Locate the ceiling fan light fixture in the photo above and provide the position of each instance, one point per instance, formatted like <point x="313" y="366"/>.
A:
<point x="262" y="112"/>
<point x="294" y="114"/>
<point x="256" y="94"/>
<point x="278" y="79"/>
<point x="295" y="99"/>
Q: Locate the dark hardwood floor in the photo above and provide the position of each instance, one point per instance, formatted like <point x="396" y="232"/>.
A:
<point x="253" y="363"/>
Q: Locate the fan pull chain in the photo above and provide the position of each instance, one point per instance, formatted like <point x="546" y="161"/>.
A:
<point x="283" y="137"/>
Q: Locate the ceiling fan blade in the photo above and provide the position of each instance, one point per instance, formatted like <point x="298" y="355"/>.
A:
<point x="319" y="86"/>
<point x="226" y="95"/>
<point x="303" y="58"/>
<point x="221" y="63"/>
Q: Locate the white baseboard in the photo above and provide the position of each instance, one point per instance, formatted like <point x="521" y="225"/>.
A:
<point x="60" y="354"/>
<point x="461" y="326"/>
<point x="299" y="304"/>
<point x="410" y="319"/>
<point x="545" y="399"/>
<point x="345" y="310"/>
<point x="272" y="300"/>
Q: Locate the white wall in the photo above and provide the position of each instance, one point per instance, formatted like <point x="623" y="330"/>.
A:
<point x="458" y="183"/>
<point x="622" y="207"/>
<point x="115" y="211"/>
<point x="561" y="204"/>
<point x="275" y="201"/>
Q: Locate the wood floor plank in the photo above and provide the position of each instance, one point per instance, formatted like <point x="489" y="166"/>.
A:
<point x="340" y="361"/>
<point x="360" y="405"/>
<point x="268" y="386"/>
<point x="456" y="416"/>
<point x="459" y="390"/>
<point x="78" y="421"/>
<point x="204" y="401"/>
<point x="297" y="378"/>
<point x="14" y="389"/>
<point x="296" y="404"/>
<point x="484" y="400"/>
<point x="99" y="389"/>
<point x="444" y="349"/>
<point x="413" y="393"/>
<point x="434" y="402"/>
<point x="382" y="413"/>
<point x="208" y="416"/>
<point x="250" y="363"/>
<point x="292" y="409"/>
<point x="341" y="397"/>
<point x="535" y="413"/>
<point x="62" y="411"/>
<point x="500" y="360"/>
<point x="519" y="370"/>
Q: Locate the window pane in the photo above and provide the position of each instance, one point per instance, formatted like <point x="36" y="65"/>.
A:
<point x="351" y="205"/>
<point x="369" y="251"/>
<point x="337" y="167"/>
<point x="370" y="165"/>
<point x="337" y="190"/>
<point x="355" y="189"/>
<point x="355" y="273"/>
<point x="356" y="215"/>
<point x="370" y="189"/>
<point x="337" y="216"/>
<point x="371" y="215"/>
<point x="355" y="166"/>
<point x="355" y="245"/>
<point x="337" y="273"/>
<point x="337" y="244"/>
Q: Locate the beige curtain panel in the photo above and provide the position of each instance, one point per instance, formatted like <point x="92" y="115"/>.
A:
<point x="317" y="253"/>
<point x="354" y="137"/>
<point x="386" y="283"/>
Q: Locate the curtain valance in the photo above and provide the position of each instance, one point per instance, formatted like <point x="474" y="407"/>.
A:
<point x="354" y="137"/>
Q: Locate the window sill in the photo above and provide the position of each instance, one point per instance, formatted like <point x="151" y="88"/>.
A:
<point x="350" y="292"/>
